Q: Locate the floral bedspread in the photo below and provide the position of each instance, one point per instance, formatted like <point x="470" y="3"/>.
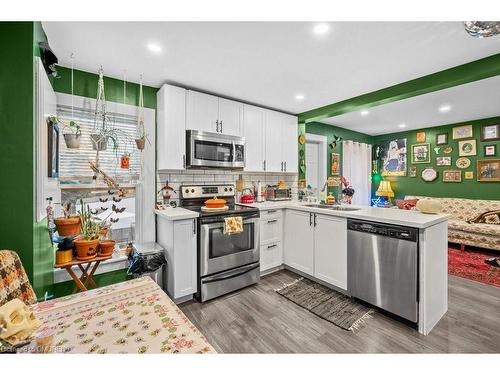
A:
<point x="135" y="316"/>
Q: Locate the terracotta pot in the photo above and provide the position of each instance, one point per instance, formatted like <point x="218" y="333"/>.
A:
<point x="64" y="256"/>
<point x="106" y="247"/>
<point x="86" y="249"/>
<point x="72" y="140"/>
<point x="141" y="143"/>
<point x="68" y="226"/>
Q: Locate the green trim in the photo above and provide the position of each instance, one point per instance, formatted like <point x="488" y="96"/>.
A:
<point x="85" y="84"/>
<point x="458" y="75"/>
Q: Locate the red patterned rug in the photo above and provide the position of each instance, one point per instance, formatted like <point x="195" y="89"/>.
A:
<point x="470" y="264"/>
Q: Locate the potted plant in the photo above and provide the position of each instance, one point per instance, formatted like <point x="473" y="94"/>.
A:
<point x="99" y="141"/>
<point x="71" y="132"/>
<point x="125" y="161"/>
<point x="64" y="253"/>
<point x="67" y="225"/>
<point x="87" y="244"/>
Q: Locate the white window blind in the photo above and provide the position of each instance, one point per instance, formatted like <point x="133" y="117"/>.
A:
<point x="75" y="162"/>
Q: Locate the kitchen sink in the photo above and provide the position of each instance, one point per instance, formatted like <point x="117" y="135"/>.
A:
<point x="330" y="207"/>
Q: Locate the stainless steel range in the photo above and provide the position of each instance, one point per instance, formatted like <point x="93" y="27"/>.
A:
<point x="226" y="262"/>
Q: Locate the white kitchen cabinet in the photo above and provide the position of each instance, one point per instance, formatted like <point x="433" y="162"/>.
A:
<point x="290" y="149"/>
<point x="171" y="129"/>
<point x="271" y="229"/>
<point x="178" y="238"/>
<point x="202" y="112"/>
<point x="271" y="255"/>
<point x="273" y="141"/>
<point x="330" y="250"/>
<point x="299" y="241"/>
<point x="253" y="130"/>
<point x="230" y="117"/>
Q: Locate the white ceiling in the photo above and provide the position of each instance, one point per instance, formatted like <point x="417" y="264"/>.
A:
<point x="476" y="100"/>
<point x="269" y="63"/>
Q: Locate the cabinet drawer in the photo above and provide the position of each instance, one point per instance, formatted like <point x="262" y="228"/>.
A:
<point x="268" y="214"/>
<point x="271" y="255"/>
<point x="270" y="229"/>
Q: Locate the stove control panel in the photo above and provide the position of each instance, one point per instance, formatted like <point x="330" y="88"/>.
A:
<point x="207" y="191"/>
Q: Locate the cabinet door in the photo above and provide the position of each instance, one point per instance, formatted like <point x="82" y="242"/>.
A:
<point x="230" y="117"/>
<point x="271" y="256"/>
<point x="202" y="111"/>
<point x="185" y="267"/>
<point x="290" y="147"/>
<point x="171" y="132"/>
<point x="253" y="130"/>
<point x="330" y="250"/>
<point x="273" y="141"/>
<point x="299" y="241"/>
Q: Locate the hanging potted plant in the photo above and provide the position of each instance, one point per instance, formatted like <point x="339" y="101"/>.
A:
<point x="67" y="225"/>
<point x="71" y="131"/>
<point x="99" y="141"/>
<point x="87" y="244"/>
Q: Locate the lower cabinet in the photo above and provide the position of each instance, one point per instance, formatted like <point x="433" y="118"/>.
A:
<point x="271" y="249"/>
<point x="178" y="238"/>
<point x="317" y="245"/>
<point x="330" y="250"/>
<point x="299" y="241"/>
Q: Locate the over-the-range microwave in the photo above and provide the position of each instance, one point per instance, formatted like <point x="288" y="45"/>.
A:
<point x="214" y="150"/>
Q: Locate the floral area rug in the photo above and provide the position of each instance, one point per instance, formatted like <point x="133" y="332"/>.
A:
<point x="470" y="264"/>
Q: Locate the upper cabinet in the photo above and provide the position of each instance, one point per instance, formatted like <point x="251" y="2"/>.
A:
<point x="171" y="132"/>
<point x="213" y="114"/>
<point x="271" y="136"/>
<point x="253" y="130"/>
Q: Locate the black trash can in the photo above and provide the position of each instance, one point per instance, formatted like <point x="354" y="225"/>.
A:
<point x="148" y="259"/>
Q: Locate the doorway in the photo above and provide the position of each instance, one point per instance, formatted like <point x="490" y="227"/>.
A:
<point x="316" y="162"/>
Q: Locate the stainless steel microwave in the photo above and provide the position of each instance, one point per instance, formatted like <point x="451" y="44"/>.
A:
<point x="214" y="150"/>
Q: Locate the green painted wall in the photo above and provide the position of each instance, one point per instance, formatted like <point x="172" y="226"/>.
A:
<point x="330" y="131"/>
<point x="467" y="188"/>
<point x="85" y="84"/>
<point x="16" y="140"/>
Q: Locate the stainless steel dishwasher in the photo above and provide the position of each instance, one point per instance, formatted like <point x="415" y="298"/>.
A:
<point x="382" y="266"/>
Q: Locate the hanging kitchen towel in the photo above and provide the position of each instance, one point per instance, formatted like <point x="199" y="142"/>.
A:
<point x="233" y="225"/>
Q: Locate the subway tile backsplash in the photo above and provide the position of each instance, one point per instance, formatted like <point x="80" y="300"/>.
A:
<point x="176" y="178"/>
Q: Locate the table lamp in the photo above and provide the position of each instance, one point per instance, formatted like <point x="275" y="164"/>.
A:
<point x="385" y="190"/>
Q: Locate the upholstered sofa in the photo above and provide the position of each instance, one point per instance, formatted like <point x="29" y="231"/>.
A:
<point x="463" y="233"/>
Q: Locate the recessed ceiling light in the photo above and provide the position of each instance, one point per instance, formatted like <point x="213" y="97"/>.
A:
<point x="154" y="47"/>
<point x="364" y="113"/>
<point x="300" y="97"/>
<point x="321" y="28"/>
<point x="402" y="126"/>
<point x="445" y="108"/>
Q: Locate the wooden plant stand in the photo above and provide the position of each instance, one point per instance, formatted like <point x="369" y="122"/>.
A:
<point x="86" y="277"/>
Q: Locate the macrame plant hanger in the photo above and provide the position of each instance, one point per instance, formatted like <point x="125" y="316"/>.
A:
<point x="100" y="116"/>
<point x="140" y="129"/>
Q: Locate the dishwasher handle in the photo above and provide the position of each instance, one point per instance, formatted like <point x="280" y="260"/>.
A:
<point x="387" y="230"/>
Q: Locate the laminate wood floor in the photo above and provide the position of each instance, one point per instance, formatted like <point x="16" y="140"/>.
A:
<point x="258" y="320"/>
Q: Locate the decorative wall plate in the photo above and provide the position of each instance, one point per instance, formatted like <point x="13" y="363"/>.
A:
<point x="302" y="139"/>
<point x="447" y="149"/>
<point x="463" y="163"/>
<point x="429" y="174"/>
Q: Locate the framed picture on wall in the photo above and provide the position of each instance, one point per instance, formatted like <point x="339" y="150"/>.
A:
<point x="413" y="171"/>
<point x="490" y="150"/>
<point x="393" y="157"/>
<point x="452" y="176"/>
<point x="420" y="137"/>
<point x="429" y="174"/>
<point x="335" y="164"/>
<point x="488" y="170"/>
<point x="469" y="175"/>
<point x="461" y="132"/>
<point x="421" y="153"/>
<point x="441" y="139"/>
<point x="53" y="150"/>
<point x="443" y="161"/>
<point x="490" y="132"/>
<point x="467" y="148"/>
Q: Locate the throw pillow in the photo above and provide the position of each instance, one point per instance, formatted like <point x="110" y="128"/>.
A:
<point x="406" y="204"/>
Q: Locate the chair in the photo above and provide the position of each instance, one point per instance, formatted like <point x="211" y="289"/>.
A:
<point x="14" y="282"/>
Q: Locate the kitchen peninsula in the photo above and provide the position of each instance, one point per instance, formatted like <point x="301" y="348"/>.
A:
<point x="312" y="240"/>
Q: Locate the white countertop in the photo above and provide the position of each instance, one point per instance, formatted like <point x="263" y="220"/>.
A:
<point x="177" y="213"/>
<point x="407" y="218"/>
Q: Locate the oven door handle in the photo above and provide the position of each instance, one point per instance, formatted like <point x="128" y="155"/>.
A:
<point x="230" y="274"/>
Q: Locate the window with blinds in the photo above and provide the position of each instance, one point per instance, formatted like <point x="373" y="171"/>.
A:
<point x="75" y="162"/>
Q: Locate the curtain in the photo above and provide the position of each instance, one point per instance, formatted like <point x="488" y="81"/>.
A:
<point x="356" y="168"/>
